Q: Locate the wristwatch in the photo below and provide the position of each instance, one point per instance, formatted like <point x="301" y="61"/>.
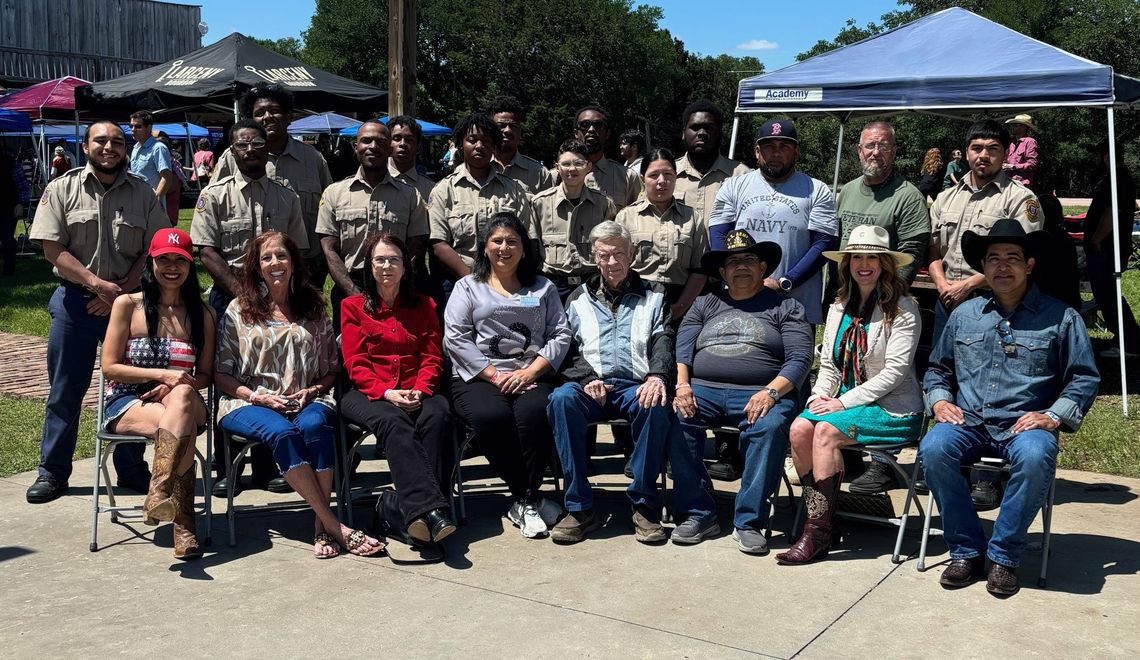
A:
<point x="1053" y="416"/>
<point x="785" y="284"/>
<point x="772" y="392"/>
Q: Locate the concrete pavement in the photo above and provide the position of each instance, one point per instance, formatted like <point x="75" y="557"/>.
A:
<point x="500" y="595"/>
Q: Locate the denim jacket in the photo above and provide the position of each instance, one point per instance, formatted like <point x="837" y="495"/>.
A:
<point x="1049" y="364"/>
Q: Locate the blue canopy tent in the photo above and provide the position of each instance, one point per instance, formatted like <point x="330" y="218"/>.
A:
<point x="429" y="129"/>
<point x="326" y="122"/>
<point x="13" y="121"/>
<point x="927" y="66"/>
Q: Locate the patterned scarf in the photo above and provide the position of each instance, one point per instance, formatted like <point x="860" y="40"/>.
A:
<point x="853" y="346"/>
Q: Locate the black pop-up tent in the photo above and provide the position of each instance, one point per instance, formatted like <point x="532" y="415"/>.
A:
<point x="951" y="62"/>
<point x="214" y="77"/>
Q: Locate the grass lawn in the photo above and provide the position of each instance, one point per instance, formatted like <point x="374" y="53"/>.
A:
<point x="21" y="420"/>
<point x="1107" y="442"/>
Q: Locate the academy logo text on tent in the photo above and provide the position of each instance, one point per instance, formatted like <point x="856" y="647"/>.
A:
<point x="783" y="95"/>
<point x="290" y="76"/>
<point x="178" y="75"/>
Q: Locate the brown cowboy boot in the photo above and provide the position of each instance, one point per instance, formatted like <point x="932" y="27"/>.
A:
<point x="185" y="538"/>
<point x="820" y="499"/>
<point x="158" y="506"/>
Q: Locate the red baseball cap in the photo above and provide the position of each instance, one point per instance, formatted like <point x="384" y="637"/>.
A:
<point x="171" y="241"/>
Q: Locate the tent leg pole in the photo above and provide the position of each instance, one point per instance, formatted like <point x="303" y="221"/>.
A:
<point x="78" y="148"/>
<point x="1116" y="255"/>
<point x="838" y="157"/>
<point x="732" y="140"/>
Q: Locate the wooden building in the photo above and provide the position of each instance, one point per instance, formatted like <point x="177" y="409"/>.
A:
<point x="91" y="39"/>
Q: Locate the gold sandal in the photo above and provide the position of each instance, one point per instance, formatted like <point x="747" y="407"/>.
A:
<point x="326" y="540"/>
<point x="358" y="538"/>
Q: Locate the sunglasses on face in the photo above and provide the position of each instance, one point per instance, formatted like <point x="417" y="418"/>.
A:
<point x="597" y="124"/>
<point x="246" y="145"/>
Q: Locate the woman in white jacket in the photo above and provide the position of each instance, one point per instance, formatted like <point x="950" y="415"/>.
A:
<point x="866" y="391"/>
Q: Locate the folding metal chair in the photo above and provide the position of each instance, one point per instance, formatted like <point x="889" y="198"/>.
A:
<point x="105" y="443"/>
<point x="1002" y="468"/>
<point x="886" y="451"/>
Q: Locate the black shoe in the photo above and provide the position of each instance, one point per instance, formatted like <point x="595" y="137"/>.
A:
<point x="1002" y="581"/>
<point x="278" y="485"/>
<point x="219" y="489"/>
<point x="962" y="572"/>
<point x="440" y="524"/>
<point x="985" y="495"/>
<point x="875" y="479"/>
<point x="139" y="484"/>
<point x="45" y="489"/>
<point x="628" y="471"/>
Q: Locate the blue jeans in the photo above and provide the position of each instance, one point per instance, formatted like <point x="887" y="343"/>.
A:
<point x="73" y="341"/>
<point x="307" y="439"/>
<point x="571" y="410"/>
<point x="1033" y="460"/>
<point x="764" y="444"/>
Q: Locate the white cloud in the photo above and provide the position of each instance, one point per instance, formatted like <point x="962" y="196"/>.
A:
<point x="758" y="44"/>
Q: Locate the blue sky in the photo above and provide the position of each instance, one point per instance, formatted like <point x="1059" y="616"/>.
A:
<point x="774" y="32"/>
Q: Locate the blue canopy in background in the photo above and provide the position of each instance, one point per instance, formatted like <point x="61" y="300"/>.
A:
<point x="429" y="129"/>
<point x="326" y="122"/>
<point x="14" y="122"/>
<point x="949" y="60"/>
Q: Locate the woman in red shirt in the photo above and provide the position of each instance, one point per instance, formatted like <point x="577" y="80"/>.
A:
<point x="393" y="355"/>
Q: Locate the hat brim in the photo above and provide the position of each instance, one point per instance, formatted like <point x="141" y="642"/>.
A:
<point x="769" y="252"/>
<point x="974" y="246"/>
<point x="900" y="258"/>
<point x="1030" y="124"/>
<point x="172" y="249"/>
<point x="775" y="137"/>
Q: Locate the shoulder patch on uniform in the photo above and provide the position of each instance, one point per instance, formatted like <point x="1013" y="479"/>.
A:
<point x="201" y="205"/>
<point x="1032" y="209"/>
<point x="47" y="195"/>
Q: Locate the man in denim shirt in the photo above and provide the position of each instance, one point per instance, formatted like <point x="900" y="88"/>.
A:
<point x="1011" y="369"/>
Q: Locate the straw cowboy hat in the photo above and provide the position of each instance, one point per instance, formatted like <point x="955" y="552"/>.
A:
<point x="1022" y="119"/>
<point x="869" y="239"/>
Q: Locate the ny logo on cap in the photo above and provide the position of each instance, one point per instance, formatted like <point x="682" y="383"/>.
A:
<point x="776" y="129"/>
<point x="173" y="239"/>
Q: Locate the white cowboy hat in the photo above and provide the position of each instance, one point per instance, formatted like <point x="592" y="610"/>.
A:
<point x="1022" y="119"/>
<point x="869" y="239"/>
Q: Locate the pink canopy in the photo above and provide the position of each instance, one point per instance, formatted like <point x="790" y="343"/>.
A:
<point x="52" y="99"/>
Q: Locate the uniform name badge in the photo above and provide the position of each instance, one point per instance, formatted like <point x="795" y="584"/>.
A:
<point x="528" y="301"/>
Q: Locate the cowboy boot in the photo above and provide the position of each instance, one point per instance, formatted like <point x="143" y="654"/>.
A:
<point x="157" y="506"/>
<point x="185" y="538"/>
<point x="820" y="499"/>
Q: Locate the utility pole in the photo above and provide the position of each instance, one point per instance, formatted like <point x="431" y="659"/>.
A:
<point x="401" y="57"/>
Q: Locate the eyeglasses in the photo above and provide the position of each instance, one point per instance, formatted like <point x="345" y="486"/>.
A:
<point x="615" y="256"/>
<point x="598" y="124"/>
<point x="1005" y="335"/>
<point x="246" y="145"/>
<point x="742" y="260"/>
<point x="883" y="147"/>
<point x="387" y="261"/>
<point x="567" y="164"/>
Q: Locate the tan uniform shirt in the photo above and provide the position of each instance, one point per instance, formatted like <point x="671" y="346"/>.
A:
<point x="233" y="209"/>
<point x="352" y="211"/>
<point x="615" y="180"/>
<point x="302" y="168"/>
<point x="666" y="246"/>
<point x="459" y="206"/>
<point x="699" y="191"/>
<point x="413" y="179"/>
<point x="959" y="209"/>
<point x="528" y="172"/>
<point x="106" y="230"/>
<point x="564" y="229"/>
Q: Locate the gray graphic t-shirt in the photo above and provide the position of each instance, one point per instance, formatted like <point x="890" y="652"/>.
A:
<point x="783" y="213"/>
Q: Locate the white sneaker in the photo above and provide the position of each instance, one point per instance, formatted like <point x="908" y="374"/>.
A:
<point x="526" y="518"/>
<point x="790" y="471"/>
<point x="549" y="511"/>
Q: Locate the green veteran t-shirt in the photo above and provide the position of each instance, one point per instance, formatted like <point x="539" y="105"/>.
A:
<point x="895" y="204"/>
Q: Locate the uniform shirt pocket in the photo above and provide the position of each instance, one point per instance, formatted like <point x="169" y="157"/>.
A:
<point x="236" y="235"/>
<point x="83" y="229"/>
<point x="130" y="234"/>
